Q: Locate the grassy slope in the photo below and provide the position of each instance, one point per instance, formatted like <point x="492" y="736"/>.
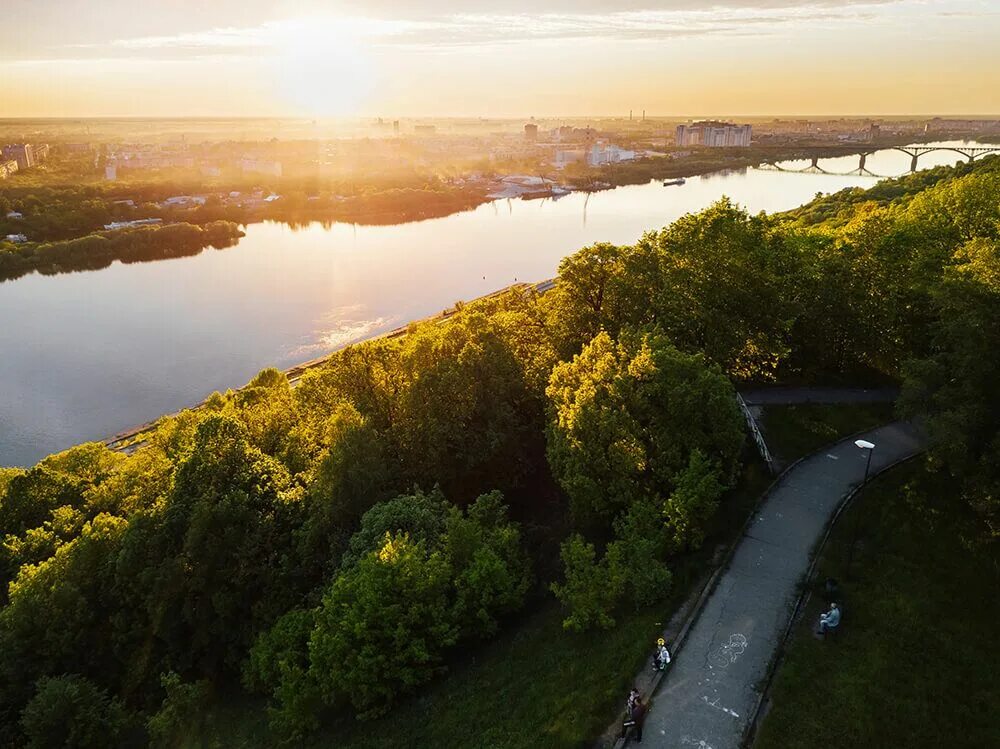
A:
<point x="915" y="664"/>
<point x="794" y="431"/>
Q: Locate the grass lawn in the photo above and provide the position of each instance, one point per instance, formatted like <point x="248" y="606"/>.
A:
<point x="915" y="663"/>
<point x="794" y="431"/>
<point x="534" y="686"/>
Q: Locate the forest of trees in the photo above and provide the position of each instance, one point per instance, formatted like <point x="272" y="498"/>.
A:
<point x="329" y="546"/>
<point x="60" y="212"/>
<point x="100" y="249"/>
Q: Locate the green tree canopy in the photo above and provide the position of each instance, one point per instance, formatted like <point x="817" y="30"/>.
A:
<point x="626" y="416"/>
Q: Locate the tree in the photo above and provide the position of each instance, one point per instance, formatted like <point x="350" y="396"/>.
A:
<point x="693" y="502"/>
<point x="383" y="626"/>
<point x="720" y="282"/>
<point x="638" y="553"/>
<point x="57" y="619"/>
<point x="601" y="287"/>
<point x="278" y="666"/>
<point x="73" y="712"/>
<point x="491" y="571"/>
<point x="954" y="387"/>
<point x="207" y="571"/>
<point x="368" y="376"/>
<point x="467" y="418"/>
<point x="591" y="589"/>
<point x="422" y="517"/>
<point x="282" y="645"/>
<point x="266" y="408"/>
<point x="625" y="417"/>
<point x="181" y="711"/>
<point x="726" y="288"/>
<point x="356" y="470"/>
<point x="595" y="447"/>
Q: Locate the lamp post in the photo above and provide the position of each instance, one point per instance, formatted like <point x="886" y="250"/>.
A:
<point x="870" y="448"/>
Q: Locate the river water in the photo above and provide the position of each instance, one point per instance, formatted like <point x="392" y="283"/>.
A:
<point x="86" y="355"/>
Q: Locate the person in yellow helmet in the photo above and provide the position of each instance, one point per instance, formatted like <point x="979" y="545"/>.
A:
<point x="661" y="656"/>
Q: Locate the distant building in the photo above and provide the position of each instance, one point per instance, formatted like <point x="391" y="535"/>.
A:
<point x="605" y="153"/>
<point x="531" y="132"/>
<point x="184" y="201"/>
<point x="22" y="153"/>
<point x="965" y="125"/>
<point x="425" y="129"/>
<point x="566" y="156"/>
<point x="7" y="168"/>
<point x="115" y="225"/>
<point x="111" y="172"/>
<point x="16" y="238"/>
<point x="713" y="134"/>
<point x="395" y="127"/>
<point x="261" y="166"/>
<point x="566" y="133"/>
<point x="15" y="215"/>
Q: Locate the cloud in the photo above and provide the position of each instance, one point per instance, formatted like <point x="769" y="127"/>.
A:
<point x="497" y="27"/>
<point x="431" y="25"/>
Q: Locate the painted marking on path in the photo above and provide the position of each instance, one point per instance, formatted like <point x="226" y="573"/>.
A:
<point x="832" y="457"/>
<point x="730" y="651"/>
<point x="699" y="743"/>
<point x="717" y="706"/>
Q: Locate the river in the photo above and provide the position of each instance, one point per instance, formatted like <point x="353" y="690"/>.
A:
<point x="86" y="355"/>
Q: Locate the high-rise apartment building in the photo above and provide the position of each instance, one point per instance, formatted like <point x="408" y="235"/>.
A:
<point x="22" y="153"/>
<point x="713" y="134"/>
<point x="25" y="154"/>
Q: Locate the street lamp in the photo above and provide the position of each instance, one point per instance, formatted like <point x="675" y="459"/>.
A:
<point x="870" y="448"/>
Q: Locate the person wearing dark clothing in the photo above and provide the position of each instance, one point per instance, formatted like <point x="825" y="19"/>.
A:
<point x="630" y="703"/>
<point x="638" y="718"/>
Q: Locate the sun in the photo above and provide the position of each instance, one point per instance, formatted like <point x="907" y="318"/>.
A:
<point x="323" y="67"/>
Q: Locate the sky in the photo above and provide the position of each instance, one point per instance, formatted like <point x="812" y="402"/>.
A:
<point x="504" y="58"/>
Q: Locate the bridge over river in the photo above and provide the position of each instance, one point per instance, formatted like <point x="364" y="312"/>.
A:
<point x="971" y="153"/>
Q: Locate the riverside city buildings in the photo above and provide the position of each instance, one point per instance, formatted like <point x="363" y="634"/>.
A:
<point x="713" y="134"/>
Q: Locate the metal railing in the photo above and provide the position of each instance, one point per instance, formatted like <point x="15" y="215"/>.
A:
<point x="758" y="435"/>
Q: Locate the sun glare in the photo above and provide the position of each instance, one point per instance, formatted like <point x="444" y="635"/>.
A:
<point x="322" y="66"/>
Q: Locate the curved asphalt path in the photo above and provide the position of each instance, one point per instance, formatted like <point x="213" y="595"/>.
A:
<point x="710" y="693"/>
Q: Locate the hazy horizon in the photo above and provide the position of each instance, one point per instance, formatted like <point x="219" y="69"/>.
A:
<point x="513" y="118"/>
<point x="501" y="60"/>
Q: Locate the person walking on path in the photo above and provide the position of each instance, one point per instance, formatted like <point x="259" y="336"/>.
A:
<point x="638" y="718"/>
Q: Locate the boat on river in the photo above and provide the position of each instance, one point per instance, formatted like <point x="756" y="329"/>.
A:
<point x="671" y="182"/>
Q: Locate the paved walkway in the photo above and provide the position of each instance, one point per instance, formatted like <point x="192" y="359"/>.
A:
<point x="710" y="693"/>
<point x="784" y="395"/>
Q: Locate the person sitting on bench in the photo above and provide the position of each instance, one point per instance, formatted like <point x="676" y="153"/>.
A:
<point x="661" y="656"/>
<point x="830" y="620"/>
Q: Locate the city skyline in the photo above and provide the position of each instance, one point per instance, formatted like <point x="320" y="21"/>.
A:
<point x="514" y="59"/>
